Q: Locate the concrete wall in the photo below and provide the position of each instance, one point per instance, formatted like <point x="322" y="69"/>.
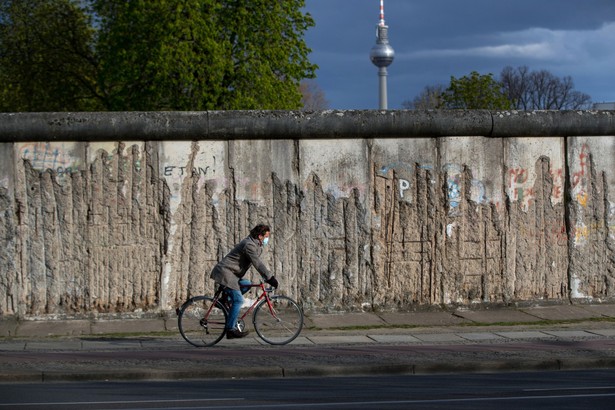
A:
<point x="128" y="212"/>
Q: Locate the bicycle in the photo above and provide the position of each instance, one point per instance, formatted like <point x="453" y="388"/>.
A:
<point x="277" y="319"/>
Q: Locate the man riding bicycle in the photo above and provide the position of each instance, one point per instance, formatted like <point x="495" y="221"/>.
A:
<point x="234" y="266"/>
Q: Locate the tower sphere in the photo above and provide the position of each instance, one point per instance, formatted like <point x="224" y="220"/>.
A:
<point x="382" y="54"/>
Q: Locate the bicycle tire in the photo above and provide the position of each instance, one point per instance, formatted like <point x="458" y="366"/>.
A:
<point x="282" y="328"/>
<point x="192" y="324"/>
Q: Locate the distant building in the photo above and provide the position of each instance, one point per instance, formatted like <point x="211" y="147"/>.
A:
<point x="604" y="106"/>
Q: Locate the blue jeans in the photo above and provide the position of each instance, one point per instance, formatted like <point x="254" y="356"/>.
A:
<point x="236" y="303"/>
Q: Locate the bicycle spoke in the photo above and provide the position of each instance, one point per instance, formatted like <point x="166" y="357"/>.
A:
<point x="201" y="324"/>
<point x="281" y="327"/>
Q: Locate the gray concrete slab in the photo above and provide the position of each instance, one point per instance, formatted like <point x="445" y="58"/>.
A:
<point x="564" y="312"/>
<point x="603" y="332"/>
<point x="249" y="340"/>
<point x="525" y="334"/>
<point x="51" y="345"/>
<point x="439" y="337"/>
<point x="166" y="343"/>
<point x="394" y="338"/>
<point x="603" y="310"/>
<point x="346" y="320"/>
<point x="128" y="326"/>
<point x="8" y="328"/>
<point x="110" y="344"/>
<point x="36" y="328"/>
<point x="345" y="339"/>
<point x="302" y="340"/>
<point x="299" y="341"/>
<point x="170" y="324"/>
<point x="478" y="336"/>
<point x="496" y="316"/>
<point x="566" y="334"/>
<point x="12" y="346"/>
<point x="422" y="319"/>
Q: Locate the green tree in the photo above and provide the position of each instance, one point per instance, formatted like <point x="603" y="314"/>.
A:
<point x="475" y="92"/>
<point x="153" y="55"/>
<point x="160" y="55"/>
<point x="46" y="57"/>
<point x="269" y="56"/>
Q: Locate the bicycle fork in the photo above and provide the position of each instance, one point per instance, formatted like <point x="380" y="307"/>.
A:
<point x="272" y="310"/>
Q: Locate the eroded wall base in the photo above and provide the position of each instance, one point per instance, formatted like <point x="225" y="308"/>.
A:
<point x="357" y="224"/>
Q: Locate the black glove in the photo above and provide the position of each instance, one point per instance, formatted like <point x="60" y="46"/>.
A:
<point x="273" y="282"/>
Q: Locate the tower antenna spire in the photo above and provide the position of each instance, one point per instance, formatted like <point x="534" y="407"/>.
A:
<point x="382" y="55"/>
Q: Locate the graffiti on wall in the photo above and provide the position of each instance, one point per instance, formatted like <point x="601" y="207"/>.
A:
<point x="47" y="155"/>
<point x="175" y="175"/>
<point x="521" y="186"/>
<point x="579" y="179"/>
<point x="553" y="231"/>
<point x="403" y="184"/>
<point x="181" y="171"/>
<point x="582" y="232"/>
<point x="454" y="176"/>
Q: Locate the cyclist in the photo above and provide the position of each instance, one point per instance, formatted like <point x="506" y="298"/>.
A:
<point x="233" y="267"/>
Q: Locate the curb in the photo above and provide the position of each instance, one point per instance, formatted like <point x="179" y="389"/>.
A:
<point x="307" y="371"/>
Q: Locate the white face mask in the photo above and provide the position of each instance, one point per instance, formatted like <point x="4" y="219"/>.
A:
<point x="265" y="241"/>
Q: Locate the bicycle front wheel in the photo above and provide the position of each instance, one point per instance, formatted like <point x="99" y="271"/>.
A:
<point x="281" y="324"/>
<point x="200" y="322"/>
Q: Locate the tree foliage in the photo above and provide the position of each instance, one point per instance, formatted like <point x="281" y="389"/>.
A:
<point x="153" y="54"/>
<point x="312" y="96"/>
<point x="517" y="89"/>
<point x="475" y="92"/>
<point x="429" y="98"/>
<point x="268" y="53"/>
<point x="46" y="57"/>
<point x="160" y="55"/>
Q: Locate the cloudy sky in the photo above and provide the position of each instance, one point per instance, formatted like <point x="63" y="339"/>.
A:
<point x="436" y="39"/>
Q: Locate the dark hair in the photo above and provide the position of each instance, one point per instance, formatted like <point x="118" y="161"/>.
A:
<point x="259" y="230"/>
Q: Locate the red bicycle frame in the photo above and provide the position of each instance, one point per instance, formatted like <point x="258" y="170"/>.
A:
<point x="263" y="295"/>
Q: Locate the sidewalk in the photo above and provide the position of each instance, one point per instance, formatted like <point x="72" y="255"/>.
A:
<point x="502" y="339"/>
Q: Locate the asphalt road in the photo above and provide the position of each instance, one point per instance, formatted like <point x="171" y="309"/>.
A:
<point x="535" y="390"/>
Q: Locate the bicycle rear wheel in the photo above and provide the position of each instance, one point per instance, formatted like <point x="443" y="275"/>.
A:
<point x="198" y="327"/>
<point x="282" y="325"/>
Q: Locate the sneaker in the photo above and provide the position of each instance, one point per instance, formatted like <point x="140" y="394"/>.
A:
<point x="236" y="334"/>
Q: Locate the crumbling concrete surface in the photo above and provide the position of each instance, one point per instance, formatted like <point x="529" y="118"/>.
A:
<point x="357" y="223"/>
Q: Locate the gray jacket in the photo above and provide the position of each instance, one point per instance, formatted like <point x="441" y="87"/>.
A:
<point x="235" y="265"/>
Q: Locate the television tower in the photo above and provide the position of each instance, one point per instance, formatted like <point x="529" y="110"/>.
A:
<point x="382" y="56"/>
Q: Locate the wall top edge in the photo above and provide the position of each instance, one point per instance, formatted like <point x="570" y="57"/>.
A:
<point x="329" y="124"/>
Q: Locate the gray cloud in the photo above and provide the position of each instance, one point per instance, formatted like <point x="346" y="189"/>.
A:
<point x="437" y="39"/>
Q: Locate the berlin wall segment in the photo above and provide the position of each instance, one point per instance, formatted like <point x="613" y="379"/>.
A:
<point x="358" y="223"/>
